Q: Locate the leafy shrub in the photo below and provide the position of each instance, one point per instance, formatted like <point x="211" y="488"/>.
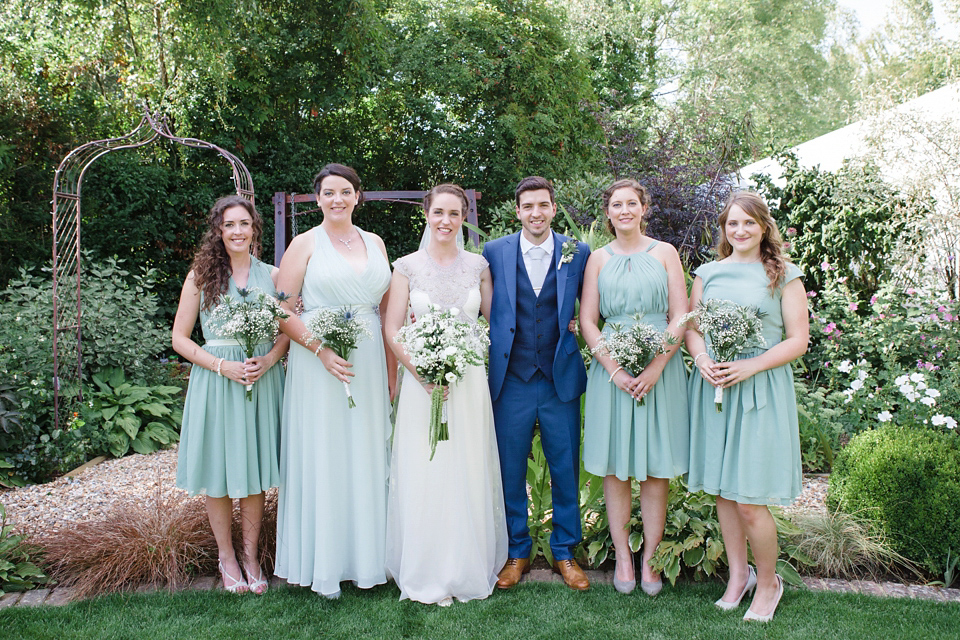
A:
<point x="906" y="481"/>
<point x="17" y="572"/>
<point x="120" y="330"/>
<point x="819" y="413"/>
<point x="843" y="224"/>
<point x="692" y="543"/>
<point x="132" y="416"/>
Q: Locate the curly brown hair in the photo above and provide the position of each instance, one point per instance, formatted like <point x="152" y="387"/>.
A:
<point x="771" y="245"/>
<point x="642" y="194"/>
<point x="211" y="264"/>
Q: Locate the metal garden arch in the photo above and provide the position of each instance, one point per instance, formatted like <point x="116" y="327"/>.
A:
<point x="67" y="270"/>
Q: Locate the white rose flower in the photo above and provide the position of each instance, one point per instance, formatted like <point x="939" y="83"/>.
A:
<point x="856" y="385"/>
<point x="845" y="367"/>
<point x="450" y="377"/>
<point x="884" y="416"/>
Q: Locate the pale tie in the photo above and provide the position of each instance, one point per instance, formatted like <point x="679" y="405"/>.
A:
<point x="538" y="267"/>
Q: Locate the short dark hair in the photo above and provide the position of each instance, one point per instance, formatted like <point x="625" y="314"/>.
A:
<point x="450" y="188"/>
<point x="532" y="183"/>
<point x="342" y="171"/>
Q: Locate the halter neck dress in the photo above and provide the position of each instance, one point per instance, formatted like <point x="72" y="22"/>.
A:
<point x="620" y="438"/>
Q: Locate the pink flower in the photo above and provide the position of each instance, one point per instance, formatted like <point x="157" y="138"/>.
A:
<point x="941" y="308"/>
<point x="786" y="246"/>
<point x="873" y="300"/>
<point x="853" y="306"/>
<point x="825" y="265"/>
<point x="811" y="294"/>
<point x="830" y="327"/>
<point x="911" y="291"/>
<point x="882" y="316"/>
<point x="791" y="232"/>
<point x="948" y="317"/>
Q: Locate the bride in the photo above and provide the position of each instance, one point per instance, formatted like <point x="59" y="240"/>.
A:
<point x="446" y="529"/>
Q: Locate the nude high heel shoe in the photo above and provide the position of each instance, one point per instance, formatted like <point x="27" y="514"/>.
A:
<point x="750" y="586"/>
<point x="750" y="615"/>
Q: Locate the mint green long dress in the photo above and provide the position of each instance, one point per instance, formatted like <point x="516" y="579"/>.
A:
<point x="334" y="460"/>
<point x="620" y="438"/>
<point x="230" y="446"/>
<point x="749" y="452"/>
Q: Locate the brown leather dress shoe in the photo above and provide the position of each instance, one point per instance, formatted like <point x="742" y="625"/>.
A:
<point x="573" y="575"/>
<point x="512" y="571"/>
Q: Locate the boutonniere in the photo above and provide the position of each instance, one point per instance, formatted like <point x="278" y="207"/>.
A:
<point x="567" y="250"/>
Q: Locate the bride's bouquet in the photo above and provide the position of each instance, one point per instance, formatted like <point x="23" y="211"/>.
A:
<point x="441" y="347"/>
<point x="340" y="330"/>
<point x="731" y="328"/>
<point x="633" y="348"/>
<point x="249" y="320"/>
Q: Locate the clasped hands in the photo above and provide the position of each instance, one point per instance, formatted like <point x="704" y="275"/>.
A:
<point x="726" y="374"/>
<point x="248" y="371"/>
<point x="637" y="387"/>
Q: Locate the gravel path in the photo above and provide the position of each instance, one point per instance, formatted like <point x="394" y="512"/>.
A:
<point x="94" y="491"/>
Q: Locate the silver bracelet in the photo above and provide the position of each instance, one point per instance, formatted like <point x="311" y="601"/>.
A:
<point x="696" y="361"/>
<point x="219" y="364"/>
<point x="615" y="372"/>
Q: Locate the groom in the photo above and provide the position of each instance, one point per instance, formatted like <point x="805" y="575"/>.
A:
<point x="537" y="374"/>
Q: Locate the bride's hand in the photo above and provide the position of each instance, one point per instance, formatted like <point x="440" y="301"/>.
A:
<point x="335" y="365"/>
<point x="430" y="386"/>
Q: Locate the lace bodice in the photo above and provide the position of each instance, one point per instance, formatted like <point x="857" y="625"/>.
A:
<point x="456" y="285"/>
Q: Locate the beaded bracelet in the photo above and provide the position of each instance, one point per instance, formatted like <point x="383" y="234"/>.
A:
<point x="615" y="372"/>
<point x="219" y="364"/>
<point x="316" y="351"/>
<point x="696" y="361"/>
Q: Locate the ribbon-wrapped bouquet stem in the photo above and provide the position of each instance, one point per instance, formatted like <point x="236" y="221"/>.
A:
<point x="250" y="319"/>
<point x="730" y="328"/>
<point x="441" y="347"/>
<point x="340" y="330"/>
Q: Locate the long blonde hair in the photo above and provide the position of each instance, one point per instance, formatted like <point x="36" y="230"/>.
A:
<point x="771" y="245"/>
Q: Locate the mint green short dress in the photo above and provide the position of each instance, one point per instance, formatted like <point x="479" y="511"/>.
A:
<point x="620" y="438"/>
<point x="230" y="446"/>
<point x="749" y="452"/>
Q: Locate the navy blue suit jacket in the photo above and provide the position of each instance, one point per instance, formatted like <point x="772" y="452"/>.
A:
<point x="569" y="375"/>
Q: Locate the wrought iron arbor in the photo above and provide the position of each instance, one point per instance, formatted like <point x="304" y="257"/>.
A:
<point x="67" y="270"/>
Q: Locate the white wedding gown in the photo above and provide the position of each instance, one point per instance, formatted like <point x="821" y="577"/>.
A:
<point x="446" y="529"/>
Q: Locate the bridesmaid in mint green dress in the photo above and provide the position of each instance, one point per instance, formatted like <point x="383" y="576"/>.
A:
<point x="333" y="460"/>
<point x="748" y="455"/>
<point x="634" y="274"/>
<point x="229" y="446"/>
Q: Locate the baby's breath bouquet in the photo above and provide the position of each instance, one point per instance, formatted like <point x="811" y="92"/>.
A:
<point x="249" y="320"/>
<point x="441" y="347"/>
<point x="731" y="329"/>
<point x="634" y="347"/>
<point x="340" y="330"/>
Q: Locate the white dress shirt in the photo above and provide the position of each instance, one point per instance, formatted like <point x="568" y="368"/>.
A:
<point x="546" y="245"/>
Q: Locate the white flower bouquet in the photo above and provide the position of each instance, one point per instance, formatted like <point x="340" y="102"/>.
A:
<point x="249" y="320"/>
<point x="441" y="347"/>
<point x="731" y="329"/>
<point x="340" y="330"/>
<point x="634" y="347"/>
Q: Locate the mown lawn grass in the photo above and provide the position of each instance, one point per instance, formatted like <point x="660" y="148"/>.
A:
<point x="532" y="610"/>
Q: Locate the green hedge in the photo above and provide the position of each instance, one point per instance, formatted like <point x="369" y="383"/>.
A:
<point x="907" y="482"/>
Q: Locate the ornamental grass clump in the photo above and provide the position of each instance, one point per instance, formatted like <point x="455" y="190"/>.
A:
<point x="845" y="545"/>
<point x="163" y="542"/>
